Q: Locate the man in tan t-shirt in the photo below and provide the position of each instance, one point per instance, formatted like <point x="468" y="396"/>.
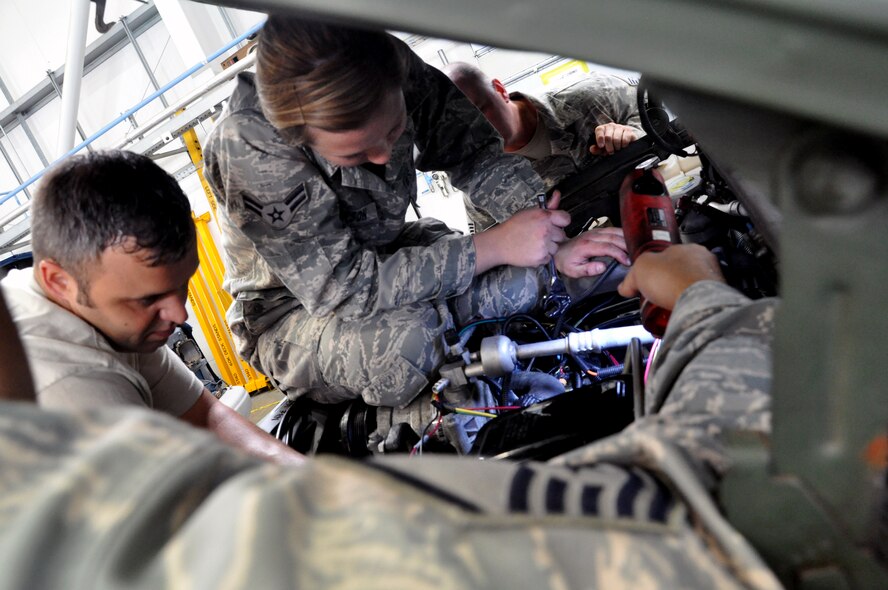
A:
<point x="114" y="247"/>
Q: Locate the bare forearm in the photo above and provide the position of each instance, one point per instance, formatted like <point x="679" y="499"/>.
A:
<point x="236" y="431"/>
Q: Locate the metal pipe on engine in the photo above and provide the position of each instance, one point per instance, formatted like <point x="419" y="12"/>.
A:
<point x="499" y="355"/>
<point x="591" y="340"/>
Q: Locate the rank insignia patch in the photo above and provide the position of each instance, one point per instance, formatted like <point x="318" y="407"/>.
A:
<point x="278" y="214"/>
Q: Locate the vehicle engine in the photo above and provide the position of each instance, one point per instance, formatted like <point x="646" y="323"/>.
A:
<point x="537" y="385"/>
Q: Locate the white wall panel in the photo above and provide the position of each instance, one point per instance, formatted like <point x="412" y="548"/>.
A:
<point x="44" y="125"/>
<point x="8" y="182"/>
<point x="198" y="30"/>
<point x="244" y="20"/>
<point x="166" y="63"/>
<point x="34" y="36"/>
<point x="22" y="153"/>
<point x="113" y="88"/>
<point x="13" y="204"/>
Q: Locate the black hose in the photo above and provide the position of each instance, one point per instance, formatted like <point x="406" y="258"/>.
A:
<point x="607" y="372"/>
<point x="589" y="292"/>
<point x="525" y="317"/>
<point x="613" y="371"/>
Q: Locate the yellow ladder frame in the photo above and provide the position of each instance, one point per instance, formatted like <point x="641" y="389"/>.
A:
<point x="209" y="302"/>
<point x="205" y="293"/>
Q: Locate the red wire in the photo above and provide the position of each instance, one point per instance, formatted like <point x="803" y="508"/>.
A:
<point x="429" y="435"/>
<point x="437" y="426"/>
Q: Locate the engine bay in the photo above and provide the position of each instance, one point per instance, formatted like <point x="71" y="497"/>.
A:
<point x="532" y="386"/>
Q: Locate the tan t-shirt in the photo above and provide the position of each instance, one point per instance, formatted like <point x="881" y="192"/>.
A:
<point x="539" y="146"/>
<point x="74" y="366"/>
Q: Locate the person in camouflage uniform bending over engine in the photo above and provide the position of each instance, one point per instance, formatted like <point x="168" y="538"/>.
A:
<point x="314" y="166"/>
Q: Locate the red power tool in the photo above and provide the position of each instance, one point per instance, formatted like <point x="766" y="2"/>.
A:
<point x="649" y="223"/>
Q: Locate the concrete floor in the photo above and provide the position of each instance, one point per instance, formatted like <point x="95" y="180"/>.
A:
<point x="263" y="403"/>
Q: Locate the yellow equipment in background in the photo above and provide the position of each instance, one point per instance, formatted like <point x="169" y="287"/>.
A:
<point x="209" y="302"/>
<point x="205" y="294"/>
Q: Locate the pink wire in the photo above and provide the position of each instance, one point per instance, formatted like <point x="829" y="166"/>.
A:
<point x="654" y="347"/>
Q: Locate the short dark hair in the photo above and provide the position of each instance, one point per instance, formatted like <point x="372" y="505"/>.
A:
<point x="468" y="76"/>
<point x="325" y="76"/>
<point x="88" y="203"/>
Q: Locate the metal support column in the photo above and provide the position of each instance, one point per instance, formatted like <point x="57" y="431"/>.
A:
<point x="27" y="129"/>
<point x="227" y="19"/>
<point x="58" y="91"/>
<point x="148" y="70"/>
<point x="11" y="165"/>
<point x="19" y="179"/>
<point x="15" y="173"/>
<point x="77" y="25"/>
<point x="5" y="91"/>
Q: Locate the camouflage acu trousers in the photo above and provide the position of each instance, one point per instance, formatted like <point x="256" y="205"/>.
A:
<point x="389" y="357"/>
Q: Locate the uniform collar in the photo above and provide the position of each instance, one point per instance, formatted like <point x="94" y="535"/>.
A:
<point x="556" y="115"/>
<point x="361" y="178"/>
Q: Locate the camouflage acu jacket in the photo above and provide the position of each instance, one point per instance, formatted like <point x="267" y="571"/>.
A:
<point x="571" y="116"/>
<point x="299" y="231"/>
<point x="139" y="500"/>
